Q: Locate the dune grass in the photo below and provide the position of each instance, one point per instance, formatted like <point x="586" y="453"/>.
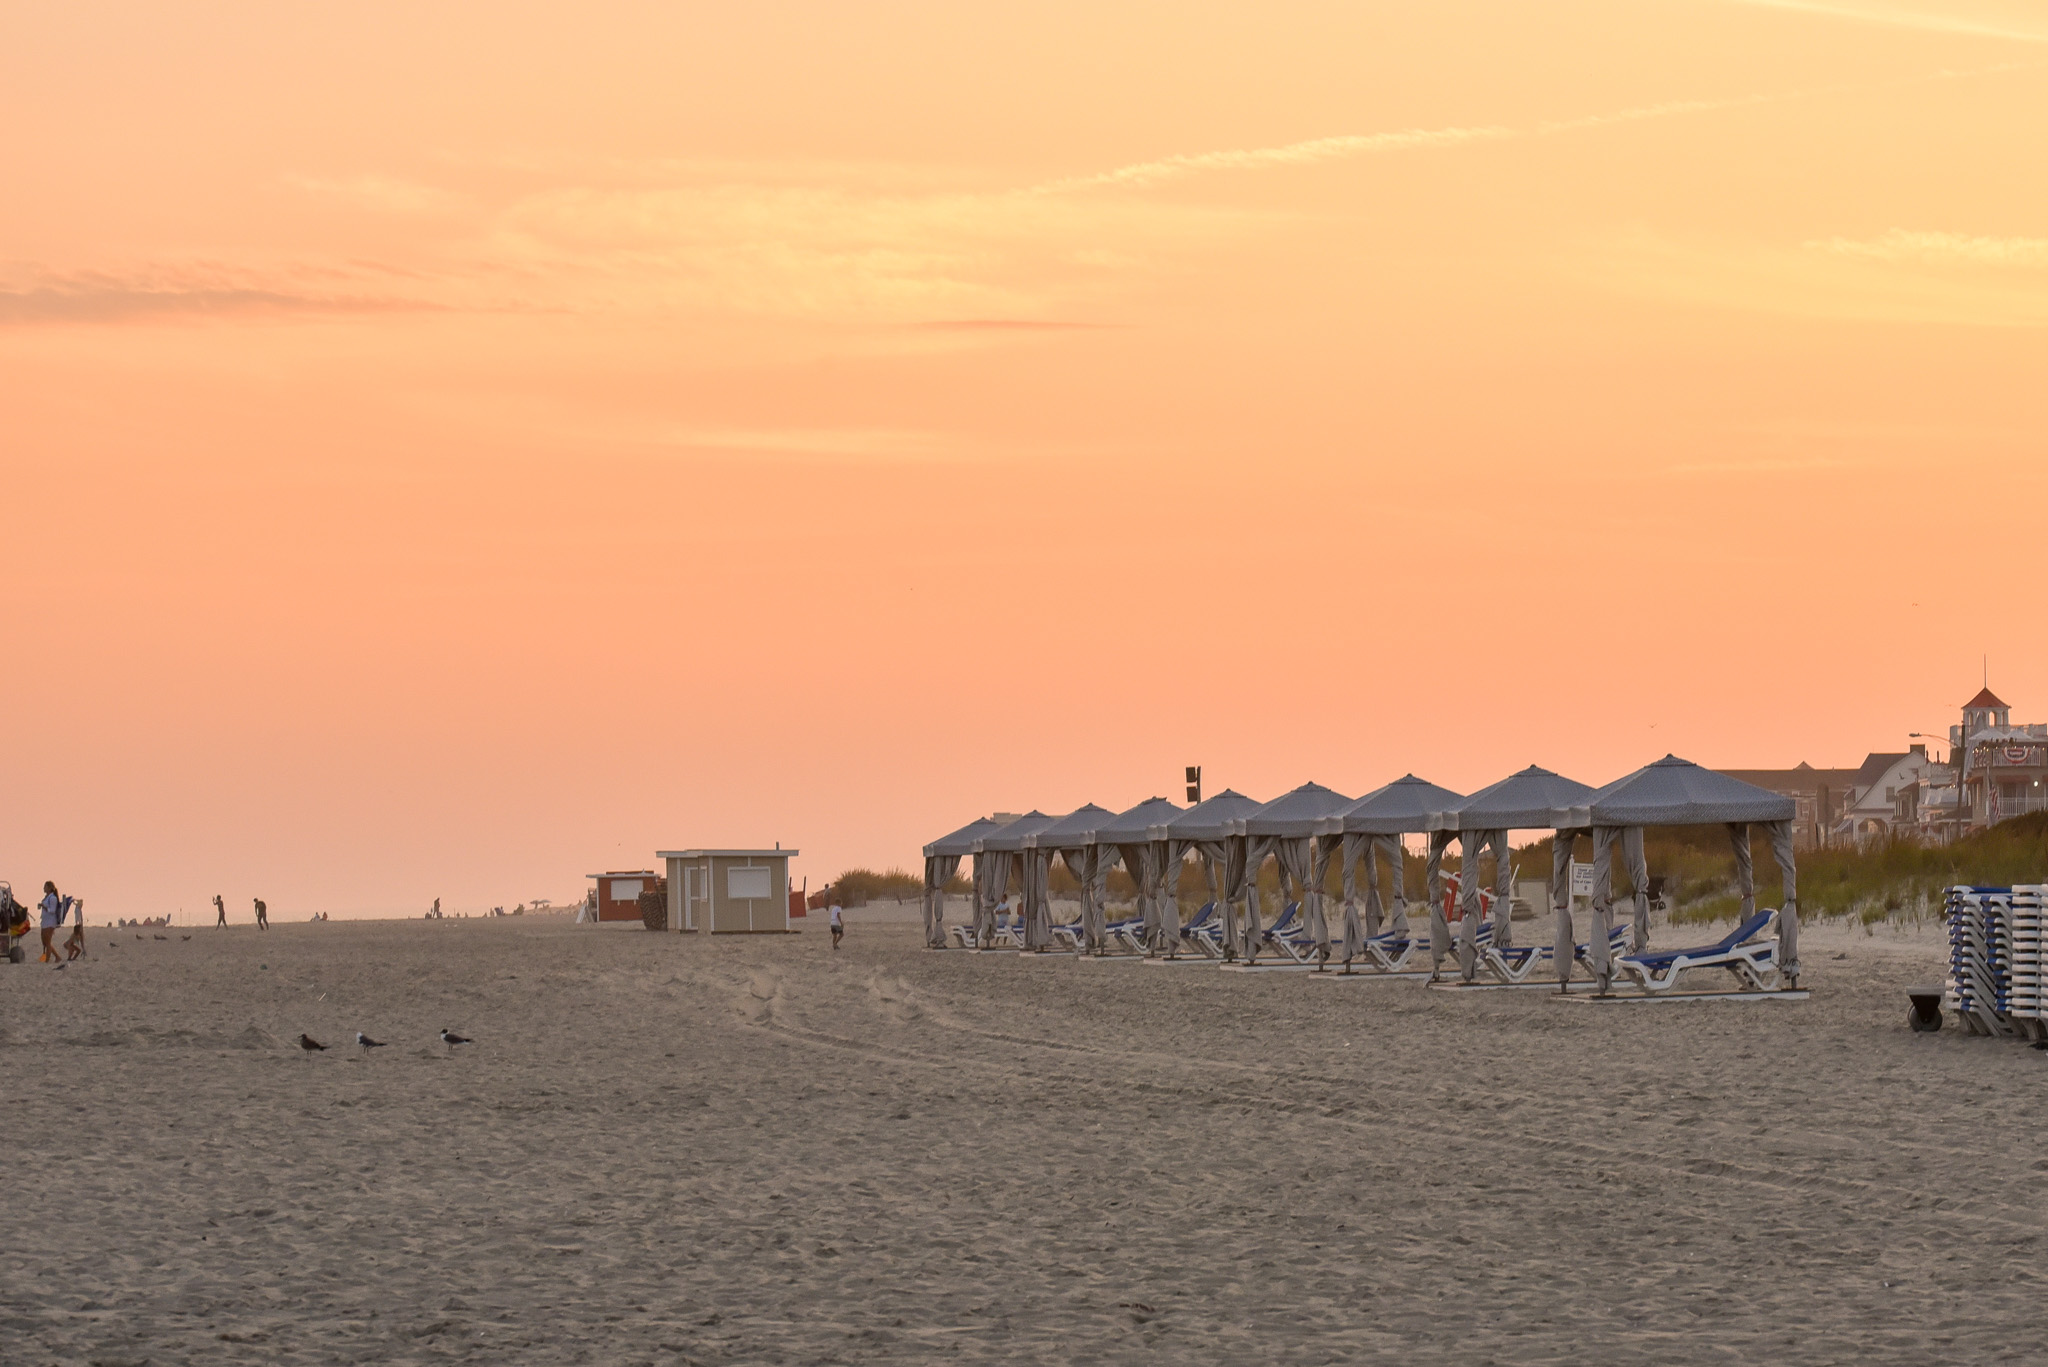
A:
<point x="1885" y="880"/>
<point x="858" y="887"/>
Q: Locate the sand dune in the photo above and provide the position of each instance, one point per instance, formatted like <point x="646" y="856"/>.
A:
<point x="662" y="1149"/>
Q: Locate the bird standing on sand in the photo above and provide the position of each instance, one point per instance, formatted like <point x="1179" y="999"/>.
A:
<point x="367" y="1042"/>
<point x="310" y="1045"/>
<point x="450" y="1037"/>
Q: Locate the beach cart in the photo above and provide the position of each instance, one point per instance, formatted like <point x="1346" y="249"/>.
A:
<point x="17" y="923"/>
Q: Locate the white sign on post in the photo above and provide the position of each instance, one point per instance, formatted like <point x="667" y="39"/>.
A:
<point x="1582" y="879"/>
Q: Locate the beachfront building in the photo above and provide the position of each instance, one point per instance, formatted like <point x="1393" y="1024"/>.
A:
<point x="1884" y="801"/>
<point x="2004" y="768"/>
<point x="618" y="892"/>
<point x="1819" y="797"/>
<point x="728" y="892"/>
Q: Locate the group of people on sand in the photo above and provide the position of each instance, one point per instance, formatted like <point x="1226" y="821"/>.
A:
<point x="220" y="912"/>
<point x="55" y="909"/>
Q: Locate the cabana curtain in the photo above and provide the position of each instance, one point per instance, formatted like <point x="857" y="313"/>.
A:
<point x="1354" y="931"/>
<point x="1090" y="870"/>
<point x="1296" y="857"/>
<point x="1037" y="904"/>
<point x="1439" y="928"/>
<point x="1566" y="946"/>
<point x="993" y="870"/>
<point x="1227" y="857"/>
<point x="938" y="871"/>
<point x="1171" y="854"/>
<point x="1472" y="845"/>
<point x="1141" y="862"/>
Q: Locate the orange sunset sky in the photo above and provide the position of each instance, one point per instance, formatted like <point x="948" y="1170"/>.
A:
<point x="452" y="448"/>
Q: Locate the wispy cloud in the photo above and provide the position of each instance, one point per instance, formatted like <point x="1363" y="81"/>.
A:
<point x="2020" y="28"/>
<point x="1346" y="146"/>
<point x="1934" y="248"/>
<point x="99" y="297"/>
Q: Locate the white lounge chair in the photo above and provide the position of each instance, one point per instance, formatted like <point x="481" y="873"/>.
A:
<point x="1743" y="952"/>
<point x="1518" y="964"/>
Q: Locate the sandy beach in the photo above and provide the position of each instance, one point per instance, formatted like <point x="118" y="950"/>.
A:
<point x="666" y="1149"/>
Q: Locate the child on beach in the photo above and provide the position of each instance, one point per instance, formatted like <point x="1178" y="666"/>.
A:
<point x="838" y="926"/>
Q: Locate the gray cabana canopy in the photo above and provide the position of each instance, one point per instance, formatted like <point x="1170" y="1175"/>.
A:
<point x="960" y="843"/>
<point x="1676" y="792"/>
<point x="1072" y="838"/>
<point x="1213" y="818"/>
<point x="1400" y="808"/>
<point x="1210" y="828"/>
<point x="1373" y="827"/>
<point x="941" y="861"/>
<point x="1522" y="801"/>
<point x="1140" y="840"/>
<point x="1071" y="831"/>
<point x="1287" y="828"/>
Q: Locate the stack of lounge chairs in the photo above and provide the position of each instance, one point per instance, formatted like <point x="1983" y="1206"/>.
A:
<point x="1980" y="958"/>
<point x="2028" y="1006"/>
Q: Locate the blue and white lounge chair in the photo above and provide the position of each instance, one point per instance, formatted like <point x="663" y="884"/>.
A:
<point x="1129" y="932"/>
<point x="1009" y="930"/>
<point x="1393" y="952"/>
<point x="1204" y="932"/>
<point x="1287" y="936"/>
<point x="1743" y="952"/>
<point x="1518" y="964"/>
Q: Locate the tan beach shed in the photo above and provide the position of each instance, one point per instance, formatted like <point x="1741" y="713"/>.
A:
<point x="728" y="892"/>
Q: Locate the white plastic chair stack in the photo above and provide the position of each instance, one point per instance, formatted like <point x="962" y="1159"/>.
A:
<point x="2026" y="998"/>
<point x="1979" y="938"/>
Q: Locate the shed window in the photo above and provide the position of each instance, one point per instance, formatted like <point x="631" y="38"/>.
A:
<point x="741" y="884"/>
<point x="625" y="889"/>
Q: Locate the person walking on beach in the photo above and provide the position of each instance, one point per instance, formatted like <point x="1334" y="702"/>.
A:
<point x="220" y="909"/>
<point x="838" y="926"/>
<point x="53" y="909"/>
<point x="262" y="915"/>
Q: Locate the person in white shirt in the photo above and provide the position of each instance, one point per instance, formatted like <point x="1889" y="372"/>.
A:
<point x="53" y="908"/>
<point x="838" y="926"/>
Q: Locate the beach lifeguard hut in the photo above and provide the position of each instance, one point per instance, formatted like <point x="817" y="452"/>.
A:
<point x="728" y="892"/>
<point x="618" y="892"/>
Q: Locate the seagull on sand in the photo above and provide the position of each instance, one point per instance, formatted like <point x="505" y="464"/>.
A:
<point x="450" y="1037"/>
<point x="311" y="1045"/>
<point x="367" y="1042"/>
